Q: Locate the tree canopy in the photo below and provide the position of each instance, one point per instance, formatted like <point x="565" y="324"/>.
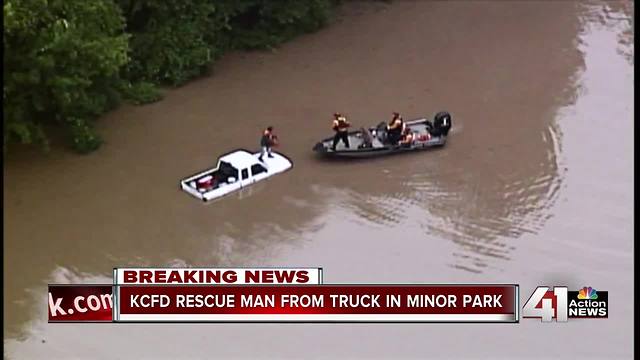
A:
<point x="66" y="62"/>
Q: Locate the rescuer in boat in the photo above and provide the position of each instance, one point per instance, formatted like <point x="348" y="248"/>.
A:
<point x="341" y="126"/>
<point x="267" y="140"/>
<point x="407" y="137"/>
<point x="395" y="129"/>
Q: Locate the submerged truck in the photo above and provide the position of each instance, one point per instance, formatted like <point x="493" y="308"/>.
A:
<point x="234" y="171"/>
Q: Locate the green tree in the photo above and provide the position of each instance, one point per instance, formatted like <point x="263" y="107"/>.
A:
<point x="174" y="41"/>
<point x="171" y="40"/>
<point x="68" y="61"/>
<point x="260" y="24"/>
<point x="61" y="67"/>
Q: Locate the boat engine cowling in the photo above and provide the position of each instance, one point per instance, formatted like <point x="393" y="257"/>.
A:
<point x="441" y="123"/>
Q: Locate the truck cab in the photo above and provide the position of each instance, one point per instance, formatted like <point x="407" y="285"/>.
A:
<point x="245" y="167"/>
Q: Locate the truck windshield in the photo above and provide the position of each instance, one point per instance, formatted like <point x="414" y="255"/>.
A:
<point x="226" y="170"/>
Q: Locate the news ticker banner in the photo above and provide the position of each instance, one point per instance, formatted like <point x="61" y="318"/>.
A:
<point x="216" y="276"/>
<point x="272" y="295"/>
<point x="283" y="303"/>
<point x="298" y="295"/>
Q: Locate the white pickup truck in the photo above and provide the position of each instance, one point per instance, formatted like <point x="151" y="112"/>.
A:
<point x="234" y="171"/>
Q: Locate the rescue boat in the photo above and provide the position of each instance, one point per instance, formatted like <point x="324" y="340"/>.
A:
<point x="365" y="143"/>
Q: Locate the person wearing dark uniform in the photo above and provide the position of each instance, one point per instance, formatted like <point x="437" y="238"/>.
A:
<point x="341" y="126"/>
<point x="395" y="129"/>
<point x="267" y="140"/>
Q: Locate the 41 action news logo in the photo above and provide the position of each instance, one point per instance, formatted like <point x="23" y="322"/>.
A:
<point x="561" y="304"/>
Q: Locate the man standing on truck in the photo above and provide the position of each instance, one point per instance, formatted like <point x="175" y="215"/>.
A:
<point x="267" y="140"/>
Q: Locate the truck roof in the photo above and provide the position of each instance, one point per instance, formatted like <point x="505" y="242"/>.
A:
<point x="240" y="158"/>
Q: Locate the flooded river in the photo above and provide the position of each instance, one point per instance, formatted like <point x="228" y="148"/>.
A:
<point x="535" y="185"/>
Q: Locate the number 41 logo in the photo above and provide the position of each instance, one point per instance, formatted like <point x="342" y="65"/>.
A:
<point x="547" y="304"/>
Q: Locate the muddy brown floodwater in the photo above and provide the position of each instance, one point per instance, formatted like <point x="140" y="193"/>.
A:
<point x="535" y="185"/>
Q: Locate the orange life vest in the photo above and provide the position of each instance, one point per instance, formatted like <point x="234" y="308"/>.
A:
<point x="340" y="124"/>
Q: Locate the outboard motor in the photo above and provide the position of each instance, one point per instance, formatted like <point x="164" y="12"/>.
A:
<point x="441" y="124"/>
